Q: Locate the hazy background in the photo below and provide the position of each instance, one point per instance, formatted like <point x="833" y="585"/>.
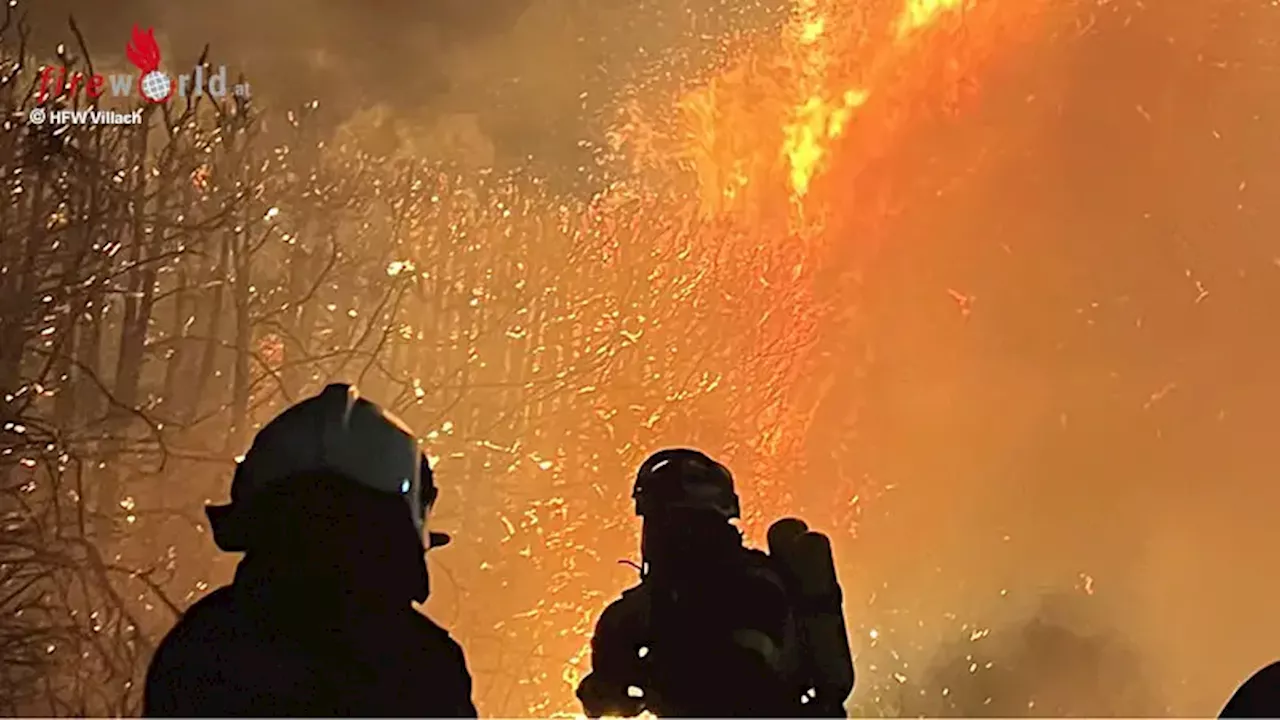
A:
<point x="496" y="81"/>
<point x="1101" y="423"/>
<point x="1107" y="411"/>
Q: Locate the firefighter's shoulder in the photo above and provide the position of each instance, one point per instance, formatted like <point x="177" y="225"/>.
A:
<point x="215" y="662"/>
<point x="440" y="657"/>
<point x="628" y="610"/>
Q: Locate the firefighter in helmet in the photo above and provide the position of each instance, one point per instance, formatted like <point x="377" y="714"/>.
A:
<point x="713" y="629"/>
<point x="330" y="507"/>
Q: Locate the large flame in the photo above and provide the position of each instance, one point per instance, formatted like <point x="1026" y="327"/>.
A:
<point x="765" y="127"/>
<point x="815" y="119"/>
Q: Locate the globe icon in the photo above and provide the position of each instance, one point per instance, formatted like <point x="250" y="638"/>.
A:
<point x="156" y="86"/>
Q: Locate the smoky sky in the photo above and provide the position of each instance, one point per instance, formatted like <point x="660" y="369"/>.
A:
<point x="534" y="75"/>
<point x="387" y="51"/>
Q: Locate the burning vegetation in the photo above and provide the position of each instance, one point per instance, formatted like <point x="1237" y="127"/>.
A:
<point x="168" y="287"/>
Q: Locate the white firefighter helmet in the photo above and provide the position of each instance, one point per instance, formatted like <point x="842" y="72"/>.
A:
<point x="336" y="432"/>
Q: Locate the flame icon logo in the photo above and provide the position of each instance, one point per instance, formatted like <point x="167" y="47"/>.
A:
<point x="142" y="50"/>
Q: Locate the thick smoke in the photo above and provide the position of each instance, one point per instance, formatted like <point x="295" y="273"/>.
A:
<point x="377" y="52"/>
<point x="1062" y="661"/>
<point x="526" y="78"/>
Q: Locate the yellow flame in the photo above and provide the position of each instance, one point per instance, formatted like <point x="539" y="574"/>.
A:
<point x="810" y="123"/>
<point x="811" y="30"/>
<point x="918" y="14"/>
<point x="817" y="122"/>
<point x="817" y="119"/>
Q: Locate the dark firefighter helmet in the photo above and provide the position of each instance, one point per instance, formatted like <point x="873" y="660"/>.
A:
<point x="336" y="432"/>
<point x="685" y="479"/>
